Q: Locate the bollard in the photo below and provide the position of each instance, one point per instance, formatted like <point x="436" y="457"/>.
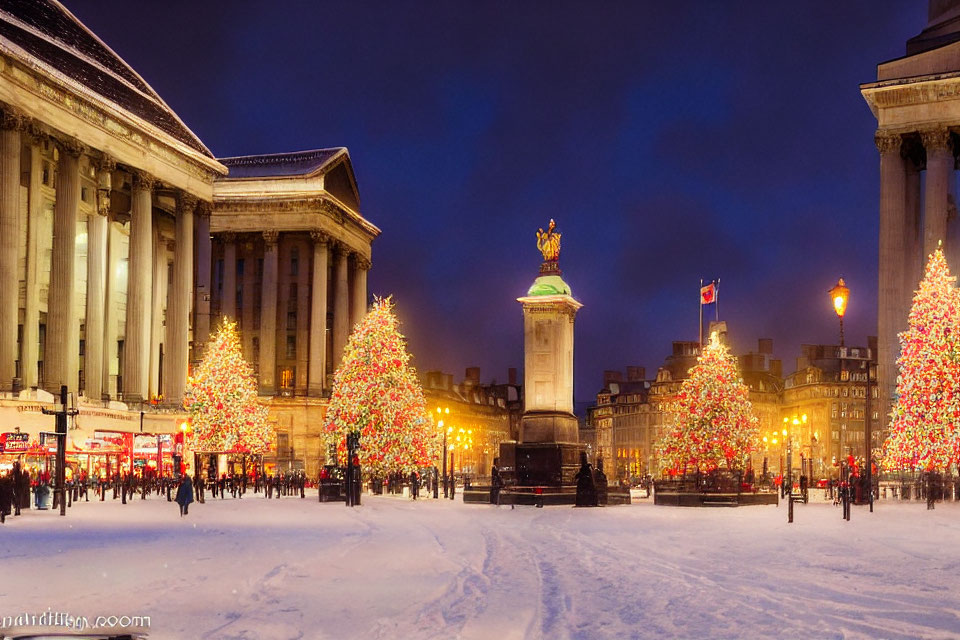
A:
<point x="790" y="510"/>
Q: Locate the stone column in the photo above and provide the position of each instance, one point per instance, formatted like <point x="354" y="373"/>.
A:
<point x="359" y="297"/>
<point x="136" y="349"/>
<point x="111" y="367"/>
<point x="201" y="323"/>
<point x="10" y="125"/>
<point x="178" y="305"/>
<point x="248" y="324"/>
<point x="228" y="303"/>
<point x="341" y="307"/>
<point x="268" y="315"/>
<point x="318" y="315"/>
<point x="157" y="298"/>
<point x="913" y="242"/>
<point x="939" y="171"/>
<point x="94" y="332"/>
<point x="893" y="260"/>
<point x="62" y="326"/>
<point x="303" y="324"/>
<point x="31" y="311"/>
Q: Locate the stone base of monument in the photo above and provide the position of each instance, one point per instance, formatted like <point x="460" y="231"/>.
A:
<point x="539" y="474"/>
<point x="715" y="490"/>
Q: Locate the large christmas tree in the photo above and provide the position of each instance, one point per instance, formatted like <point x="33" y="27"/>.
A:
<point x="924" y="421"/>
<point x="221" y="396"/>
<point x="376" y="393"/>
<point x="714" y="425"/>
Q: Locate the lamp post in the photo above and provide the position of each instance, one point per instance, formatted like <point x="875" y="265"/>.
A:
<point x="445" y="411"/>
<point x="840" y="294"/>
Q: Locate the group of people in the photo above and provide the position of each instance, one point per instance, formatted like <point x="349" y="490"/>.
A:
<point x="14" y="492"/>
<point x="592" y="486"/>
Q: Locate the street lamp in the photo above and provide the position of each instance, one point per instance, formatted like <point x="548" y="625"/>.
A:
<point x="840" y="294"/>
<point x="441" y="413"/>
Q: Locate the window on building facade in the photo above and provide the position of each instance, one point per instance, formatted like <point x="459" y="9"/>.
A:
<point x="294" y="261"/>
<point x="291" y="347"/>
<point x="291" y="321"/>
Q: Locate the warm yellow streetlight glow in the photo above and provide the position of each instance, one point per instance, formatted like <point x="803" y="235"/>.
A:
<point x="796" y="421"/>
<point x="784" y="432"/>
<point x="840" y="294"/>
<point x="803" y="417"/>
<point x="774" y="441"/>
<point x="764" y="438"/>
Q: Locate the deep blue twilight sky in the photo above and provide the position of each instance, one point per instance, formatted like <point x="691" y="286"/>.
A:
<point x="671" y="141"/>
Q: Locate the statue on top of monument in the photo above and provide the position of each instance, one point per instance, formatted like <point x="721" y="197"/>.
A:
<point x="549" y="242"/>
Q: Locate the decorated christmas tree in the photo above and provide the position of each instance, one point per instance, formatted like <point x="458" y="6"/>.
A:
<point x="221" y="396"/>
<point x="376" y="393"/>
<point x="924" y="421"/>
<point x="714" y="425"/>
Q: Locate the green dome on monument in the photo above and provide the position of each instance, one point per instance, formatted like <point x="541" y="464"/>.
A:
<point x="549" y="285"/>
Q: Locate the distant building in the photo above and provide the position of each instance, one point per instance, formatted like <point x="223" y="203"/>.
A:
<point x="477" y="417"/>
<point x="830" y="388"/>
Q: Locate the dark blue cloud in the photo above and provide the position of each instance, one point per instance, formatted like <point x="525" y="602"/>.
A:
<point x="671" y="141"/>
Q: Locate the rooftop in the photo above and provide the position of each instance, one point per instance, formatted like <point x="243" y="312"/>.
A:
<point x="45" y="33"/>
<point x="296" y="163"/>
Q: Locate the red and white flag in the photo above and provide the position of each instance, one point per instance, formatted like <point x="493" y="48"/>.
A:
<point x="708" y="294"/>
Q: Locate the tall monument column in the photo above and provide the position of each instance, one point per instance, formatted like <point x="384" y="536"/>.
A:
<point x="341" y="305"/>
<point x="939" y="171"/>
<point x="228" y="303"/>
<point x="268" y="314"/>
<point x="318" y="315"/>
<point x="893" y="260"/>
<point x="10" y="125"/>
<point x="62" y="323"/>
<point x="136" y="344"/>
<point x="546" y="454"/>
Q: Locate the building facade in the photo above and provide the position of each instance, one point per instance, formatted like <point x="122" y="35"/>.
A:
<point x="915" y="102"/>
<point x="476" y="417"/>
<point x="125" y="241"/>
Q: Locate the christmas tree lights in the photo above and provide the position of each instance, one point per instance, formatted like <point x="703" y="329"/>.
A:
<point x="376" y="392"/>
<point x="924" y="421"/>
<point x="221" y="396"/>
<point x="714" y="424"/>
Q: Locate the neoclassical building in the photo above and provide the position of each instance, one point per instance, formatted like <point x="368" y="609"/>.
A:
<point x="124" y="240"/>
<point x="290" y="259"/>
<point x="916" y="100"/>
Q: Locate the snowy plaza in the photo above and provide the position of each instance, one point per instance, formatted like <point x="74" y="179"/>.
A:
<point x="394" y="568"/>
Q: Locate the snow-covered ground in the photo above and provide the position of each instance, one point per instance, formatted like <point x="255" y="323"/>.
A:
<point x="292" y="568"/>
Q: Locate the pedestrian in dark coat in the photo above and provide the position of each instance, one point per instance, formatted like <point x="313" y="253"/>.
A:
<point x="6" y="497"/>
<point x="586" y="489"/>
<point x="496" y="483"/>
<point x="185" y="495"/>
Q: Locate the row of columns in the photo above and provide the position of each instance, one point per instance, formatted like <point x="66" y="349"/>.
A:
<point x="142" y="336"/>
<point x="349" y="307"/>
<point x="906" y="239"/>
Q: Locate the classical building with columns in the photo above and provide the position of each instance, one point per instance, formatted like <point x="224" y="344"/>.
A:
<point x="290" y="257"/>
<point x="123" y="240"/>
<point x="916" y="100"/>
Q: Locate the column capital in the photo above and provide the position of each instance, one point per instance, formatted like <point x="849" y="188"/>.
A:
<point x="887" y="141"/>
<point x="936" y="139"/>
<point x="103" y="162"/>
<point x="186" y="202"/>
<point x="143" y="180"/>
<point x="270" y="238"/>
<point x="228" y="237"/>
<point x="361" y="262"/>
<point x="171" y="245"/>
<point x="203" y="209"/>
<point x="13" y="118"/>
<point x="319" y="237"/>
<point x="71" y="146"/>
<point x="341" y="248"/>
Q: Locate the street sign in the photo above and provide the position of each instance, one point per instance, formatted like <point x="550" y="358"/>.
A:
<point x="14" y="442"/>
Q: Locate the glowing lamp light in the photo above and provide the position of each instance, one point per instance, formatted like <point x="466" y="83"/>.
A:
<point x="840" y="294"/>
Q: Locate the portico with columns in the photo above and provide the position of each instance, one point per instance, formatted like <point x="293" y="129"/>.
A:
<point x="290" y="256"/>
<point x="916" y="101"/>
<point x="99" y="194"/>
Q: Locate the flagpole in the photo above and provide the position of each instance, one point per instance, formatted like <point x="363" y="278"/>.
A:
<point x="700" y="306"/>
<point x="716" y="300"/>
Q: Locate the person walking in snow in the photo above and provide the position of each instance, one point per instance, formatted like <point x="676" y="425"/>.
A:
<point x="185" y="495"/>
